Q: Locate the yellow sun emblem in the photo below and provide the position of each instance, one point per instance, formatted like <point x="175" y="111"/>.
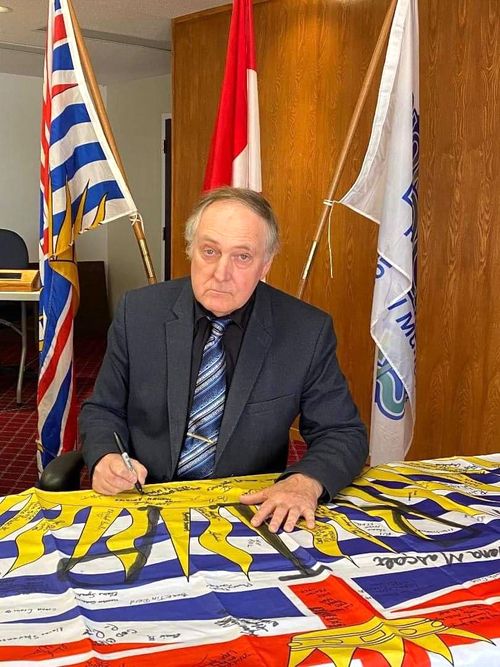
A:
<point x="385" y="637"/>
<point x="217" y="501"/>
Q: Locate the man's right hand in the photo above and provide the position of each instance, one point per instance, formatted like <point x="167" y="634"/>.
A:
<point x="111" y="475"/>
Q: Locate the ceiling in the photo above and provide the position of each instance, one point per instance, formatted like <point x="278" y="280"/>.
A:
<point x="126" y="39"/>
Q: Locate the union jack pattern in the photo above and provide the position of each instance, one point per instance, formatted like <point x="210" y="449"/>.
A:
<point x="81" y="187"/>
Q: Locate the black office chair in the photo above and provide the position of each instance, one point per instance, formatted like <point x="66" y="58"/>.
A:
<point x="62" y="473"/>
<point x="13" y="255"/>
<point x="13" y="250"/>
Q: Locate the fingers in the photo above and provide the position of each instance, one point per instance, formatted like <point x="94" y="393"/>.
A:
<point x="309" y="518"/>
<point x="107" y="488"/>
<point x="278" y="516"/>
<point x="140" y="471"/>
<point x="111" y="475"/>
<point x="283" y="515"/>
<point x="285" y="503"/>
<point x="264" y="511"/>
<point x="253" y="498"/>
<point x="291" y="520"/>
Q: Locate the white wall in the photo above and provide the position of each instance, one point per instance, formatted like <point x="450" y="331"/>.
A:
<point x="134" y="110"/>
<point x="20" y="156"/>
<point x="21" y="104"/>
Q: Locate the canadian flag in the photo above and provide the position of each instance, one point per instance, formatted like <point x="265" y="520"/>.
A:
<point x="234" y="157"/>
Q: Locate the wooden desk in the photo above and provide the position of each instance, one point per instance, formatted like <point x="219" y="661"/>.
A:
<point x="402" y="569"/>
<point x="22" y="297"/>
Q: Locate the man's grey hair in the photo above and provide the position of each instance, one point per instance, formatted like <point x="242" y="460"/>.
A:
<point x="249" y="198"/>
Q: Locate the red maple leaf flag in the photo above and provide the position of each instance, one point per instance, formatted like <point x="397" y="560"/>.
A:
<point x="235" y="150"/>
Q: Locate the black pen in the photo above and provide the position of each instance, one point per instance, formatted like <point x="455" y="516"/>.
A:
<point x="126" y="459"/>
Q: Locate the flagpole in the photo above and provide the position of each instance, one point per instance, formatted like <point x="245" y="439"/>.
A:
<point x="137" y="224"/>
<point x="365" y="88"/>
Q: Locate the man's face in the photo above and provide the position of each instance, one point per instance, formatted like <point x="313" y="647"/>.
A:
<point x="228" y="256"/>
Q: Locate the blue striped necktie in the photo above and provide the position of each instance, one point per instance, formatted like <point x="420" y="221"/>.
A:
<point x="197" y="457"/>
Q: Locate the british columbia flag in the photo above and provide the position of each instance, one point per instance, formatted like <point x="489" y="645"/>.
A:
<point x="402" y="570"/>
<point x="81" y="187"/>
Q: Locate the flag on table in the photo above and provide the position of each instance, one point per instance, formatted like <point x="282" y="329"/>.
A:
<point x="386" y="192"/>
<point x="235" y="151"/>
<point x="174" y="577"/>
<point x="81" y="187"/>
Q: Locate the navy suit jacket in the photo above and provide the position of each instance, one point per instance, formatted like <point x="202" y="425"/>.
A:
<point x="286" y="366"/>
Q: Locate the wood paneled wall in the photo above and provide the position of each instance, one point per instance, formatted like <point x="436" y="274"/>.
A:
<point x="312" y="55"/>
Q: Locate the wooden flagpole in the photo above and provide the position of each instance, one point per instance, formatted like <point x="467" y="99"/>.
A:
<point x="103" y="117"/>
<point x="365" y="88"/>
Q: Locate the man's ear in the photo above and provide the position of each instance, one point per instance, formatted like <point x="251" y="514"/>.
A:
<point x="266" y="267"/>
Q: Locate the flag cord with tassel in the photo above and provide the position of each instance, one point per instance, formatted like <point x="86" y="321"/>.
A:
<point x="365" y="88"/>
<point x="135" y="219"/>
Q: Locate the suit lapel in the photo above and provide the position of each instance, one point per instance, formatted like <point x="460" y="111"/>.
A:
<point x="178" y="337"/>
<point x="253" y="351"/>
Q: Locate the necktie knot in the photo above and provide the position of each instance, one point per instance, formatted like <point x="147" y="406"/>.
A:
<point x="219" y="325"/>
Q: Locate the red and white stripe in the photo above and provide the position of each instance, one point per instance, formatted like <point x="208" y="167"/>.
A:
<point x="235" y="150"/>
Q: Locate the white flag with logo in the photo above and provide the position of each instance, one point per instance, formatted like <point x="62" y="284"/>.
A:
<point x="386" y="192"/>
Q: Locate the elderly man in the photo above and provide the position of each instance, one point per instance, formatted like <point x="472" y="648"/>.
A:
<point x="203" y="376"/>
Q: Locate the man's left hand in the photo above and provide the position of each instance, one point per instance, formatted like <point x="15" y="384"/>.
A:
<point x="286" y="502"/>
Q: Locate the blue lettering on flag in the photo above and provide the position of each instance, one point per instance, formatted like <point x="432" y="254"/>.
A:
<point x="407" y="324"/>
<point x="390" y="395"/>
<point x="382" y="265"/>
<point x="396" y="304"/>
<point x="407" y="320"/>
<point x="430" y="581"/>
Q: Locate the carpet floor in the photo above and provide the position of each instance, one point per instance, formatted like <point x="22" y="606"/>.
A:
<point x="18" y="423"/>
